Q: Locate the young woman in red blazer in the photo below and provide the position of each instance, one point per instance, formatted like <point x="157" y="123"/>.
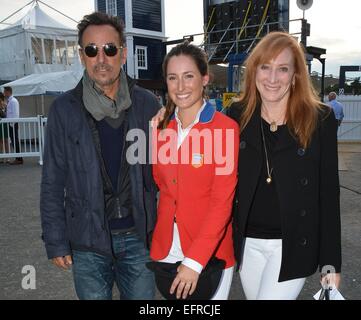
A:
<point x="195" y="152"/>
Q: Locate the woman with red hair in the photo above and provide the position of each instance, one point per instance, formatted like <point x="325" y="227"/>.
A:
<point x="286" y="213"/>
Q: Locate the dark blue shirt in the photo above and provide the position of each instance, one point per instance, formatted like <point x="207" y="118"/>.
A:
<point x="111" y="142"/>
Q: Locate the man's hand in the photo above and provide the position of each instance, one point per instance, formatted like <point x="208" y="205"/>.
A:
<point x="63" y="262"/>
<point x="331" y="280"/>
<point x="185" y="282"/>
<point x="158" y="118"/>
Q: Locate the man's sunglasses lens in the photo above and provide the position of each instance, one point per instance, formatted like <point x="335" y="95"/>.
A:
<point x="91" y="51"/>
<point x="109" y="49"/>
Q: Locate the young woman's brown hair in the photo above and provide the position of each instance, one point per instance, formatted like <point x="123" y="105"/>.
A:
<point x="201" y="61"/>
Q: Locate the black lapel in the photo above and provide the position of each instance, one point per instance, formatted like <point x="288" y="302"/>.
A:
<point x="251" y="134"/>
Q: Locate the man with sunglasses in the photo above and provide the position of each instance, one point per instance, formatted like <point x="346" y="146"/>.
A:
<point x="97" y="209"/>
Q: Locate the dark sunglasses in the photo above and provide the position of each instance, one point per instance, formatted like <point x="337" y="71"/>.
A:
<point x="110" y="49"/>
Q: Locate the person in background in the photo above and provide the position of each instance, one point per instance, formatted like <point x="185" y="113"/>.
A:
<point x="336" y="106"/>
<point x="286" y="212"/>
<point x="219" y="102"/>
<point x="97" y="209"/>
<point x="4" y="129"/>
<point x="12" y="111"/>
<point x="195" y="202"/>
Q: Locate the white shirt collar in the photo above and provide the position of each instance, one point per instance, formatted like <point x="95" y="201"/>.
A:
<point x="182" y="133"/>
<point x="196" y="120"/>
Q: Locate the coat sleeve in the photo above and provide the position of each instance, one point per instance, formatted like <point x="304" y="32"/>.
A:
<point x="151" y="107"/>
<point x="330" y="229"/>
<point x="218" y="218"/>
<point x="54" y="173"/>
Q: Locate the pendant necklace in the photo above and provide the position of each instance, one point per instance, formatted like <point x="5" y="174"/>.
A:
<point x="269" y="172"/>
<point x="273" y="125"/>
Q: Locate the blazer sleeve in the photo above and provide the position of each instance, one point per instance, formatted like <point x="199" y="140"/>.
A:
<point x="330" y="227"/>
<point x="214" y="227"/>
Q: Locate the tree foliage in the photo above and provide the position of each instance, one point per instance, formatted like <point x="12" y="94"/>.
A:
<point x="352" y="88"/>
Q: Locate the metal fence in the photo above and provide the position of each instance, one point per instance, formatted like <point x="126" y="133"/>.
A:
<point x="350" y="129"/>
<point x="32" y="130"/>
<point x="31" y="137"/>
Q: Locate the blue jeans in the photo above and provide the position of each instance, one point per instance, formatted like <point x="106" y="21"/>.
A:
<point x="95" y="274"/>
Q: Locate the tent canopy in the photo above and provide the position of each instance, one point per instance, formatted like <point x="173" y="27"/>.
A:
<point x="36" y="44"/>
<point x="36" y="17"/>
<point x="45" y="83"/>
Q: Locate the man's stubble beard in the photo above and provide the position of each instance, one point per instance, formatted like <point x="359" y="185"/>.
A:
<point x="107" y="82"/>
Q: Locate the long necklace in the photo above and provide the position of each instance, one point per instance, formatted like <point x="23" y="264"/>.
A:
<point x="273" y="125"/>
<point x="269" y="172"/>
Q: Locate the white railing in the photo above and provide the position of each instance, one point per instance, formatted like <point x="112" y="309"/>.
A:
<point x="350" y="129"/>
<point x="32" y="131"/>
<point x="31" y="137"/>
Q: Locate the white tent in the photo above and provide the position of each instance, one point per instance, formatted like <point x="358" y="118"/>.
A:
<point x="37" y="91"/>
<point x="36" y="44"/>
<point x="45" y="83"/>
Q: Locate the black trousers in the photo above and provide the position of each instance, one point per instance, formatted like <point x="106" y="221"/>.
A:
<point x="14" y="136"/>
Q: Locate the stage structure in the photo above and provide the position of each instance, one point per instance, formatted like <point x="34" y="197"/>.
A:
<point x="232" y="28"/>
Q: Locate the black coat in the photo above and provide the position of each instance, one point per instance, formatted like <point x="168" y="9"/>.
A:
<point x="307" y="185"/>
<point x="72" y="197"/>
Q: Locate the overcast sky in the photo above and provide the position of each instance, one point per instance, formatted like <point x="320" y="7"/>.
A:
<point x="335" y="25"/>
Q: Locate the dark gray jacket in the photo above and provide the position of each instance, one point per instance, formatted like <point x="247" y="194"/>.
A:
<point x="72" y="197"/>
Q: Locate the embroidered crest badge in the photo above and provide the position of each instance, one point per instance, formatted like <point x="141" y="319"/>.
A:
<point x="197" y="160"/>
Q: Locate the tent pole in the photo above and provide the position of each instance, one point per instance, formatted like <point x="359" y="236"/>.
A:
<point x="42" y="105"/>
<point x="16" y="12"/>
<point x="57" y="11"/>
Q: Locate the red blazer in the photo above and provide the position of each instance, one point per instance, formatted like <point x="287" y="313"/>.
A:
<point x="192" y="192"/>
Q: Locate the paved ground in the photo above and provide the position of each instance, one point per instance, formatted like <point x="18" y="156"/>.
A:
<point x="20" y="243"/>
